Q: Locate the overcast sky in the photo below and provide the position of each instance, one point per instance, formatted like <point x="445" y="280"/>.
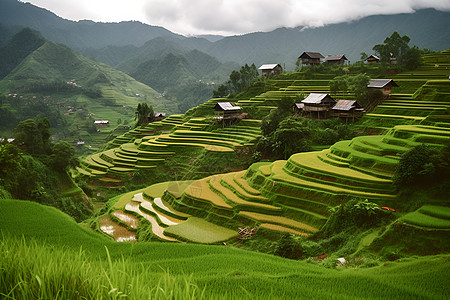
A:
<point x="230" y="17"/>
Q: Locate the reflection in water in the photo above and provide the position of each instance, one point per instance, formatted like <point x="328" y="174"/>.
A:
<point x="118" y="232"/>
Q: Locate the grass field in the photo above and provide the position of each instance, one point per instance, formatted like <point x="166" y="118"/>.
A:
<point x="38" y="267"/>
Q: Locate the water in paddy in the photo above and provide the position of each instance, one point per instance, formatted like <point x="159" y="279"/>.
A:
<point x="118" y="232"/>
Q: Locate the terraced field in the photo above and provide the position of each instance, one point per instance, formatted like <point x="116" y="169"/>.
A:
<point x="430" y="217"/>
<point x="285" y="196"/>
<point x="422" y="98"/>
<point x="282" y="196"/>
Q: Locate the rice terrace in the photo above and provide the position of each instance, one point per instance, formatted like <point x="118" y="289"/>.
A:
<point x="173" y="168"/>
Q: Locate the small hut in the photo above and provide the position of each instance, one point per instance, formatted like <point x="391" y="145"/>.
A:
<point x="311" y="58"/>
<point x="270" y="69"/>
<point x="384" y="85"/>
<point x="101" y="123"/>
<point x="373" y="59"/>
<point x="227" y="112"/>
<point x="298" y="108"/>
<point x="318" y="105"/>
<point x="347" y="109"/>
<point x="336" y="59"/>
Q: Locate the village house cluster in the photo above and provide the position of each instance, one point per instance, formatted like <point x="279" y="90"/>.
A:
<point x="323" y="106"/>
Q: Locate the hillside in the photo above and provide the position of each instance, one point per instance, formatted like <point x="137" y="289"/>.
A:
<point x="294" y="195"/>
<point x="53" y="256"/>
<point x="72" y="91"/>
<point x="78" y="35"/>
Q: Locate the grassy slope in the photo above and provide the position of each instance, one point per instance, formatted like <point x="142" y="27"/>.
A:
<point x="120" y="93"/>
<point x="226" y="272"/>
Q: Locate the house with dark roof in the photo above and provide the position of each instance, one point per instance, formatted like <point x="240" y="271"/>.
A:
<point x="384" y="85"/>
<point x="318" y="105"/>
<point x="336" y="59"/>
<point x="311" y="58"/>
<point x="373" y="59"/>
<point x="270" y="69"/>
<point x="347" y="109"/>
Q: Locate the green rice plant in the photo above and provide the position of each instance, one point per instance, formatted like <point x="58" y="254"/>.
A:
<point x="197" y="230"/>
<point x="34" y="271"/>
<point x="423" y="220"/>
<point x="275" y="227"/>
<point x="200" y="190"/>
<point x="279" y="220"/>
<point x="442" y="212"/>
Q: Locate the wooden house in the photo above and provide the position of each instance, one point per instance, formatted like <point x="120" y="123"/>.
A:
<point x="227" y="112"/>
<point x="311" y="58"/>
<point x="373" y="59"/>
<point x="298" y="108"/>
<point x="347" y="109"/>
<point x="157" y="116"/>
<point x="101" y="123"/>
<point x="270" y="69"/>
<point x="384" y="85"/>
<point x="318" y="105"/>
<point x="336" y="59"/>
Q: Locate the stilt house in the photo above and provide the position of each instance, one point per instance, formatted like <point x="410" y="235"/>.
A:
<point x="347" y="109"/>
<point x="311" y="58"/>
<point x="270" y="69"/>
<point x="318" y="105"/>
<point x="384" y="85"/>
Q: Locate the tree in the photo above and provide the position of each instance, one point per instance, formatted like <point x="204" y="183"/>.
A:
<point x="33" y="136"/>
<point x="364" y="56"/>
<point x="288" y="247"/>
<point x="239" y="80"/>
<point x="63" y="156"/>
<point x="142" y="112"/>
<point x="291" y="137"/>
<point x="339" y="84"/>
<point x="357" y="84"/>
<point x="397" y="47"/>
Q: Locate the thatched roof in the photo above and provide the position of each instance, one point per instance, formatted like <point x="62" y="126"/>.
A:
<point x="311" y="55"/>
<point x="335" y="57"/>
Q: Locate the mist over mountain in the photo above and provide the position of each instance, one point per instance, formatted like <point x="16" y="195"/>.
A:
<point x="426" y="28"/>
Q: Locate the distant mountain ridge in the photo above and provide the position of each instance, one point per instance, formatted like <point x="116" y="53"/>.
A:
<point x="427" y="28"/>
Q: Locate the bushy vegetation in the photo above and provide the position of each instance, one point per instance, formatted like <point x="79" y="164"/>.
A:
<point x="285" y="134"/>
<point x="238" y="82"/>
<point x="36" y="169"/>
<point x="424" y="166"/>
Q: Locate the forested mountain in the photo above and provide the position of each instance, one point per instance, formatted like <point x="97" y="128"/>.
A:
<point x="78" y="35"/>
<point x="426" y="28"/>
<point x="45" y="79"/>
<point x="22" y="44"/>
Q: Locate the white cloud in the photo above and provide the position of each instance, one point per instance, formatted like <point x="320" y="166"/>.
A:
<point x="232" y="16"/>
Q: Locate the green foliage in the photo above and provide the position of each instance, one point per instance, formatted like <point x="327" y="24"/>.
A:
<point x="284" y="135"/>
<point x="396" y="47"/>
<point x="143" y="113"/>
<point x="33" y="136"/>
<point x="288" y="247"/>
<point x="238" y="82"/>
<point x="354" y="215"/>
<point x="135" y="270"/>
<point x="63" y="156"/>
<point x="423" y="166"/>
<point x="291" y="137"/>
